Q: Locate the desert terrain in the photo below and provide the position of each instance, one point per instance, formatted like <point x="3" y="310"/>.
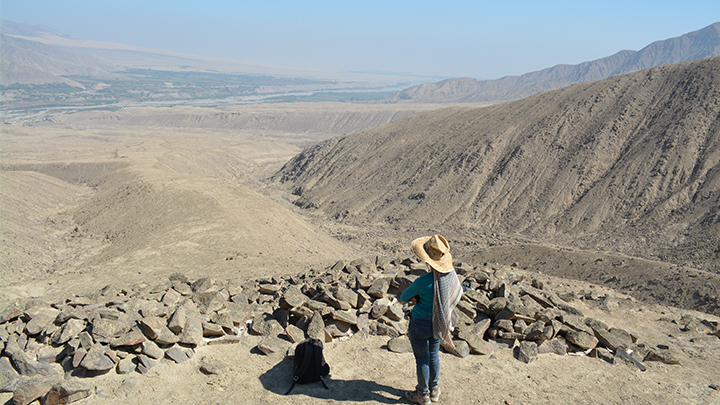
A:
<point x="134" y="200"/>
<point x="131" y="196"/>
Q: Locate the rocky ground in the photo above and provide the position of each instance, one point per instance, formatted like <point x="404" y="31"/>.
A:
<point x="522" y="339"/>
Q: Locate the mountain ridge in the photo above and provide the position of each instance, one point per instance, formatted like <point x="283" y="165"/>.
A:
<point x="695" y="45"/>
<point x="33" y="62"/>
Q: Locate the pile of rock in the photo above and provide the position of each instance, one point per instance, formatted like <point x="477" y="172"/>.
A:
<point x="502" y="307"/>
<point x="45" y="347"/>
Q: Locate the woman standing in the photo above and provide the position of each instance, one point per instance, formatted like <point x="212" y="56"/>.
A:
<point x="432" y="318"/>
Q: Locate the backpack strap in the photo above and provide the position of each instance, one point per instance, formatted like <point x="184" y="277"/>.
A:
<point x="318" y="359"/>
<point x="293" y="385"/>
<point x="322" y="380"/>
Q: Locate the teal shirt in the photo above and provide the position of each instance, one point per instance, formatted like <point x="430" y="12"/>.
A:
<point x="424" y="289"/>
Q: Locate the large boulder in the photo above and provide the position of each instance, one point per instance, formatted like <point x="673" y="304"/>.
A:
<point x="192" y="333"/>
<point x="527" y="352"/>
<point x="69" y="330"/>
<point x="67" y="392"/>
<point x="316" y="327"/>
<point x="24" y="364"/>
<point x="96" y="360"/>
<point x="400" y="344"/>
<point x="32" y="389"/>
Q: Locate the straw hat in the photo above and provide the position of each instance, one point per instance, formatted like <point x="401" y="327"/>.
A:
<point x="435" y="251"/>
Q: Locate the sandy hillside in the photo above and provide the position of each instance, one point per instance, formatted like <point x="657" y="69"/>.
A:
<point x="628" y="165"/>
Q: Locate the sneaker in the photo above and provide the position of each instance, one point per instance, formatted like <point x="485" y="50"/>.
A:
<point x="435" y="395"/>
<point x="414" y="396"/>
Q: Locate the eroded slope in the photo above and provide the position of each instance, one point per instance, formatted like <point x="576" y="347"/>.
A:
<point x="628" y="164"/>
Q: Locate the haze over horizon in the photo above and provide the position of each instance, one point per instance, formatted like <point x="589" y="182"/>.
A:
<point x="455" y="39"/>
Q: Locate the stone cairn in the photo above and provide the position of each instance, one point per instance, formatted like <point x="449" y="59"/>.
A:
<point x="49" y="350"/>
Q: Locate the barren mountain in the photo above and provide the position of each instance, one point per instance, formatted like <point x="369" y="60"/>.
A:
<point x="629" y="164"/>
<point x="704" y="43"/>
<point x="38" y="54"/>
<point x="27" y="30"/>
<point x="32" y="62"/>
<point x="129" y="56"/>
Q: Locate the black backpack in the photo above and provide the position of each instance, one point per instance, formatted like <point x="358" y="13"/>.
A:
<point x="309" y="363"/>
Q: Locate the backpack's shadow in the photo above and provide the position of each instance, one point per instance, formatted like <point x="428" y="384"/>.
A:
<point x="279" y="379"/>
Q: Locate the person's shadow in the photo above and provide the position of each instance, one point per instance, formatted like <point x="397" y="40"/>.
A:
<point x="279" y="379"/>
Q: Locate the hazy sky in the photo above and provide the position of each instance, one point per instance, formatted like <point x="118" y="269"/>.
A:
<point x="479" y="39"/>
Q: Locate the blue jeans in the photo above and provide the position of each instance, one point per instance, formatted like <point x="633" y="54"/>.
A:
<point x="426" y="351"/>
